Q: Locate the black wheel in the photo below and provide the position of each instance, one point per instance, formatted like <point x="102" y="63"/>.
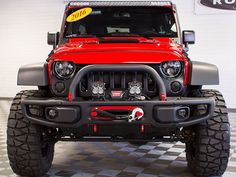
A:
<point x="28" y="153"/>
<point x="208" y="153"/>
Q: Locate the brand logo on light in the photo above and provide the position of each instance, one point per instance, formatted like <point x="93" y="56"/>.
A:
<point x="220" y="4"/>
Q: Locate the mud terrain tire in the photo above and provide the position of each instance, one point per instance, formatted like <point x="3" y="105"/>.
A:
<point x="28" y="154"/>
<point x="208" y="153"/>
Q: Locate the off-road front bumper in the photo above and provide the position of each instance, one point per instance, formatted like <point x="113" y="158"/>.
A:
<point x="159" y="114"/>
<point x="162" y="112"/>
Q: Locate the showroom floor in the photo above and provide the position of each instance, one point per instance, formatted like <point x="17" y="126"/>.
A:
<point x="114" y="159"/>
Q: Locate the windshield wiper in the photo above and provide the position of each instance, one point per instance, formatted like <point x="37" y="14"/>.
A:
<point x="81" y="36"/>
<point x="124" y="35"/>
<point x="130" y="35"/>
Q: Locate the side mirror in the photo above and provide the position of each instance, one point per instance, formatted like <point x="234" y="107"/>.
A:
<point x="188" y="37"/>
<point x="53" y="39"/>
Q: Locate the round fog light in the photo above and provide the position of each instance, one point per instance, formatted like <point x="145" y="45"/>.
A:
<point x="183" y="113"/>
<point x="52" y="113"/>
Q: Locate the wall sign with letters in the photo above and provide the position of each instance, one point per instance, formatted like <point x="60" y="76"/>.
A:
<point x="215" y="6"/>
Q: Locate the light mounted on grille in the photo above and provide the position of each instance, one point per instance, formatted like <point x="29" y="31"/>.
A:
<point x="98" y="89"/>
<point x="135" y="88"/>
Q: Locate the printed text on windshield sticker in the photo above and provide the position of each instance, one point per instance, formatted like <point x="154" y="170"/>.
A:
<point x="79" y="14"/>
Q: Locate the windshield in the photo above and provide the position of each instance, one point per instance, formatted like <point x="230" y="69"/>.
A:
<point x="121" y="21"/>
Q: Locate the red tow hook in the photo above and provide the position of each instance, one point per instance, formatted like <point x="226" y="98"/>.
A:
<point x="95" y="128"/>
<point x="142" y="128"/>
<point x="70" y="97"/>
<point x="94" y="114"/>
<point x="163" y="97"/>
<point x="137" y="114"/>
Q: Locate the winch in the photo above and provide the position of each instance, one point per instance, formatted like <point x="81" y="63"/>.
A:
<point x="109" y="113"/>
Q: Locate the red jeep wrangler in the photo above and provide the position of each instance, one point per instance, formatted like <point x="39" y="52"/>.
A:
<point x="119" y="71"/>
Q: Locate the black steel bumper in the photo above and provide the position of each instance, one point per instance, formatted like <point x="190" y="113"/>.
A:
<point x="159" y="114"/>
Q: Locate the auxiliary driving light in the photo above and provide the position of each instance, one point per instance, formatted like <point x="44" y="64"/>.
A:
<point x="135" y="88"/>
<point x="98" y="88"/>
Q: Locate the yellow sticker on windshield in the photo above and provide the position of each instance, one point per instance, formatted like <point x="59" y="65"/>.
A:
<point x="79" y="14"/>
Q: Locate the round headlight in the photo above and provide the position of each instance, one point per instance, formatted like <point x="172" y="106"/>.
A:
<point x="171" y="68"/>
<point x="64" y="69"/>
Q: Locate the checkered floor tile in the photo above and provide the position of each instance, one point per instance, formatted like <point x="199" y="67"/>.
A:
<point x="114" y="159"/>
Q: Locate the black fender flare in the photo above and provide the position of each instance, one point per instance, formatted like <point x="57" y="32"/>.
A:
<point x="203" y="74"/>
<point x="33" y="75"/>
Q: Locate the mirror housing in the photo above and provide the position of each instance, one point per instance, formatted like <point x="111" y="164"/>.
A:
<point x="53" y="39"/>
<point x="188" y="37"/>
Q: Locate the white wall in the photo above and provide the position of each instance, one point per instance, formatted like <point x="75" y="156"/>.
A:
<point x="23" y="36"/>
<point x="24" y="26"/>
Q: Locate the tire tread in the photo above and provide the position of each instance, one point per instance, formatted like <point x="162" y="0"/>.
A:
<point x="212" y="139"/>
<point x="23" y="140"/>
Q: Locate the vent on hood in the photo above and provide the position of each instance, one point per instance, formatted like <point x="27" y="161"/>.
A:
<point x="108" y="41"/>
